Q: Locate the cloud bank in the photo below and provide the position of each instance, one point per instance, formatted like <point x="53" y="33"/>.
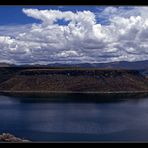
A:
<point x="114" y="34"/>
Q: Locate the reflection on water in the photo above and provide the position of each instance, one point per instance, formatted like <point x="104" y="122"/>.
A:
<point x="42" y="120"/>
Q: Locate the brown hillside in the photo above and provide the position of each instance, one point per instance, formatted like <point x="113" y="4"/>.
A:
<point x="76" y="80"/>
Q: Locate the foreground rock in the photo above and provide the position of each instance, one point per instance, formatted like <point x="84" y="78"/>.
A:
<point x="6" y="137"/>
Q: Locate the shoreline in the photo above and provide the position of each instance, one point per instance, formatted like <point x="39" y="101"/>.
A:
<point x="62" y="96"/>
<point x="77" y="92"/>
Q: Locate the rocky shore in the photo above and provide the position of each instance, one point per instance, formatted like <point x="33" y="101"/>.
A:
<point x="6" y="137"/>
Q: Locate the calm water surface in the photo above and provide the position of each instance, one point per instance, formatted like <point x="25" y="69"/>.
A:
<point x="40" y="120"/>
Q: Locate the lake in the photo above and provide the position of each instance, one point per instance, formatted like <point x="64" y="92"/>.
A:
<point x="39" y="119"/>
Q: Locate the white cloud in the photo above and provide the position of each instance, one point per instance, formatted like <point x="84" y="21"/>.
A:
<point x="83" y="39"/>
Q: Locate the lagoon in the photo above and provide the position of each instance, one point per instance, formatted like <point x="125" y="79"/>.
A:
<point x="40" y="119"/>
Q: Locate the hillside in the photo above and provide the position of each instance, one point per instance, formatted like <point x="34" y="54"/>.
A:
<point x="71" y="79"/>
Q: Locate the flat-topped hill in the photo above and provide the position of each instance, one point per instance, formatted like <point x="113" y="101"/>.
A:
<point x="71" y="80"/>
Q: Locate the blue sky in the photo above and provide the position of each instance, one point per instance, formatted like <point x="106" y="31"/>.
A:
<point x="73" y="34"/>
<point x="13" y="14"/>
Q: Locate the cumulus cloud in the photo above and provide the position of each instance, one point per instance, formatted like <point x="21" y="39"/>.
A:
<point x="114" y="34"/>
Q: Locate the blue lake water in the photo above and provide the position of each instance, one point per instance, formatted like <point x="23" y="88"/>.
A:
<point x="40" y="120"/>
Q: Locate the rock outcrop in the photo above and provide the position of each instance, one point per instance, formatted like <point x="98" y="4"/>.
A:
<point x="6" y="137"/>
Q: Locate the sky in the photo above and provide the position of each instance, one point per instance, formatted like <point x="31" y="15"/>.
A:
<point x="73" y="34"/>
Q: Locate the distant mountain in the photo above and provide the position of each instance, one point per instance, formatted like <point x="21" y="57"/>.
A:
<point x="112" y="65"/>
<point x="5" y="65"/>
<point x="115" y="65"/>
<point x="138" y="65"/>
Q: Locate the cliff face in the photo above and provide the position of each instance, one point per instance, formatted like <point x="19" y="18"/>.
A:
<point x="80" y="80"/>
